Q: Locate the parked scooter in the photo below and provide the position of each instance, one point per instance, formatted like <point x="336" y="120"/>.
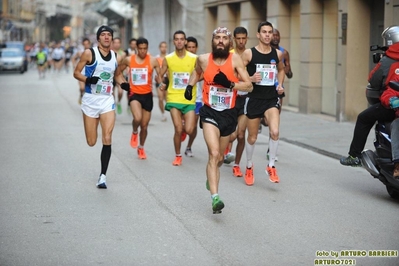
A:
<point x="379" y="162"/>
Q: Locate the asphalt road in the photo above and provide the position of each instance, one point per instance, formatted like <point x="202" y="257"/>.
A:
<point x="153" y="213"/>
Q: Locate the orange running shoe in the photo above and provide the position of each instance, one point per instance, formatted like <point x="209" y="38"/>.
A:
<point x="134" y="140"/>
<point x="141" y="153"/>
<point x="272" y="172"/>
<point x="249" y="176"/>
<point x="178" y="160"/>
<point x="183" y="135"/>
<point x="237" y="171"/>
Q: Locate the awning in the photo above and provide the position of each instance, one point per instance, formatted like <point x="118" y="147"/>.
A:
<point x="114" y="10"/>
<point x="23" y="25"/>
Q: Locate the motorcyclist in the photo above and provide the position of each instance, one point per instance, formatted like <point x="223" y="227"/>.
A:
<point x="379" y="77"/>
<point x="390" y="99"/>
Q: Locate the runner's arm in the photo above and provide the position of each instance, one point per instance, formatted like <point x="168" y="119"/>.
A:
<point x="287" y="67"/>
<point x="85" y="58"/>
<point x="245" y="83"/>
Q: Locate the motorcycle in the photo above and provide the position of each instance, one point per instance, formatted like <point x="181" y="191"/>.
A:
<point x="379" y="162"/>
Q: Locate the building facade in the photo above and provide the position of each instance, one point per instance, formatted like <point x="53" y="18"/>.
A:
<point x="328" y="42"/>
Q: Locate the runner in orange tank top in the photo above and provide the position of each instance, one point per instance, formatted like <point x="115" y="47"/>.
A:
<point x="218" y="116"/>
<point x="139" y="87"/>
<point x="163" y="48"/>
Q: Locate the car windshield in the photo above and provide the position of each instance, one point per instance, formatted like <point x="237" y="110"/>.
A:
<point x="10" y="53"/>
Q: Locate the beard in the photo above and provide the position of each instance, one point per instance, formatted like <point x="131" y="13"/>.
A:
<point x="220" y="53"/>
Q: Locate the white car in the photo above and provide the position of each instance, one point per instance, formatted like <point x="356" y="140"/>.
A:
<point x="11" y="59"/>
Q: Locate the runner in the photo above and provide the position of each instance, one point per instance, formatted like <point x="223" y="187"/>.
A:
<point x="192" y="46"/>
<point x="58" y="57"/>
<point x="240" y="39"/>
<point x="41" y="61"/>
<point x="163" y="48"/>
<point x="179" y="65"/>
<point x="98" y="104"/>
<point x="139" y="87"/>
<point x="116" y="47"/>
<point x="263" y="64"/>
<point x="218" y="115"/>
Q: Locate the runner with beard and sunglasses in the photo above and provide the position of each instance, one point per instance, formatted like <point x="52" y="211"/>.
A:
<point x="220" y="70"/>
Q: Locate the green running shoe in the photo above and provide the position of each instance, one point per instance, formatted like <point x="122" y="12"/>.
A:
<point x="217" y="205"/>
<point x="119" y="108"/>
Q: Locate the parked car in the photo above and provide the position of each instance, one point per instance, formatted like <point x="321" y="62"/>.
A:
<point x="12" y="59"/>
<point x="21" y="46"/>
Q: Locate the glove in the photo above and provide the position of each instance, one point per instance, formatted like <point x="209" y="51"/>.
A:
<point x="92" y="80"/>
<point x="188" y="93"/>
<point x="394" y="102"/>
<point x="221" y="79"/>
<point x="125" y="86"/>
<point x="165" y="81"/>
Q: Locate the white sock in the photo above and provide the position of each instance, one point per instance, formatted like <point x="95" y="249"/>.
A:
<point x="249" y="149"/>
<point x="214" y="195"/>
<point x="273" y="145"/>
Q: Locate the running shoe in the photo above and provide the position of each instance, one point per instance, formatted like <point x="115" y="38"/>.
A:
<point x="249" y="176"/>
<point x="350" y="161"/>
<point x="178" y="160"/>
<point x="118" y="108"/>
<point x="189" y="152"/>
<point x="102" y="181"/>
<point x="207" y="185"/>
<point x="228" y="158"/>
<point x="141" y="153"/>
<point x="217" y="205"/>
<point x="272" y="172"/>
<point x="134" y="140"/>
<point x="237" y="171"/>
<point x="183" y="136"/>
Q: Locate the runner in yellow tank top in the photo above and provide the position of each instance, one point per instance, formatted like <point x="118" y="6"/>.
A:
<point x="179" y="65"/>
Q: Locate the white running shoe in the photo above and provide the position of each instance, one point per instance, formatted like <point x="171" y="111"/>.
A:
<point x="102" y="181"/>
<point x="189" y="152"/>
<point x="230" y="157"/>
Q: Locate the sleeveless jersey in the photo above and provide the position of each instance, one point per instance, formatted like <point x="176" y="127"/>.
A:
<point x="140" y="75"/>
<point x="103" y="68"/>
<point x="160" y="60"/>
<point x="282" y="51"/>
<point x="41" y="57"/>
<point x="266" y="65"/>
<point x="179" y="70"/>
<point x="214" y="95"/>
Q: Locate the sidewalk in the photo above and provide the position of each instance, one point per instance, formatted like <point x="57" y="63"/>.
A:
<point x="320" y="133"/>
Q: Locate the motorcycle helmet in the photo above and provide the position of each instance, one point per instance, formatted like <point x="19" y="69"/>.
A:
<point x="391" y="35"/>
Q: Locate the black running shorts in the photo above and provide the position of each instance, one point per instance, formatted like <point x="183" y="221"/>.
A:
<point x="144" y="99"/>
<point x="225" y="121"/>
<point x="256" y="108"/>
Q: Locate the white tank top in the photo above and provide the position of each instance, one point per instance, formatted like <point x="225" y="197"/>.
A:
<point x="103" y="69"/>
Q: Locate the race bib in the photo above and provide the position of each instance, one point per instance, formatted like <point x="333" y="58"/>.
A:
<point x="268" y="74"/>
<point x="102" y="87"/>
<point x="180" y="80"/>
<point x="220" y="98"/>
<point x="139" y="76"/>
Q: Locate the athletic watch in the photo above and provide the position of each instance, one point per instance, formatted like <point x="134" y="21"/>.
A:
<point x="232" y="84"/>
